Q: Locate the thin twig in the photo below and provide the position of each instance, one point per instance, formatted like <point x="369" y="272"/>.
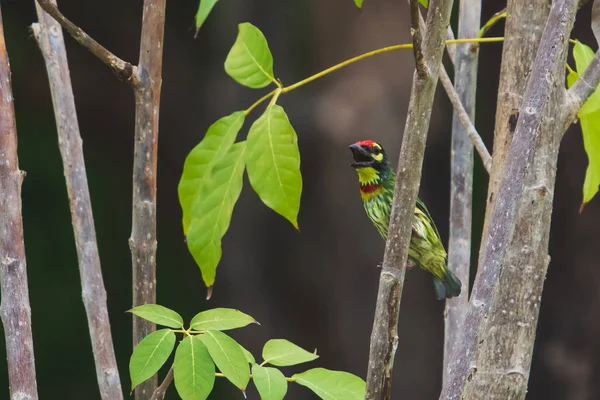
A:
<point x="476" y="339"/>
<point x="51" y="42"/>
<point x="452" y="48"/>
<point x="15" y="310"/>
<point x="415" y="31"/>
<point x="461" y="181"/>
<point x="384" y="338"/>
<point x="161" y="390"/>
<point x="143" y="225"/>
<point x="122" y="69"/>
<point x="581" y="90"/>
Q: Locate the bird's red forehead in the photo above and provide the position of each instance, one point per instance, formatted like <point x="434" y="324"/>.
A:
<point x="369" y="143"/>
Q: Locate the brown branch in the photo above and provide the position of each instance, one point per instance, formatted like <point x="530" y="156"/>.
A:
<point x="514" y="258"/>
<point x="461" y="182"/>
<point x="143" y="231"/>
<point x="415" y="32"/>
<point x="122" y="69"/>
<point x="15" y="310"/>
<point x="384" y="337"/>
<point x="51" y="42"/>
<point x="161" y="390"/>
<point x="581" y="90"/>
<point x="451" y="49"/>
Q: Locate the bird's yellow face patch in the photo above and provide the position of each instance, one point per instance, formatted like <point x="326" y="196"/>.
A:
<point x="367" y="175"/>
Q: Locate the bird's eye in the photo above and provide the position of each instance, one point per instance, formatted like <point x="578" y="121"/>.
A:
<point x="376" y="150"/>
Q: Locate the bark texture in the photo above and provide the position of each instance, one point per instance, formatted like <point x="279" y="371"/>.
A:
<point x="15" y="310"/>
<point x="461" y="183"/>
<point x="143" y="232"/>
<point x="49" y="37"/>
<point x="494" y="356"/>
<point x="384" y="337"/>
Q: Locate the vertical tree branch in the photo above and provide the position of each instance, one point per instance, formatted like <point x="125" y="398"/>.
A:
<point x="143" y="232"/>
<point x="15" y="310"/>
<point x="461" y="180"/>
<point x="161" y="390"/>
<point x="417" y="38"/>
<point x="499" y="330"/>
<point x="384" y="337"/>
<point x="51" y="42"/>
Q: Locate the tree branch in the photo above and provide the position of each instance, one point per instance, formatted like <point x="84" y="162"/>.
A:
<point x="122" y="69"/>
<point x="581" y="90"/>
<point x="482" y="359"/>
<point x="160" y="391"/>
<point x="415" y="32"/>
<point x="143" y="230"/>
<point x="15" y="310"/>
<point x="461" y="183"/>
<point x="384" y="337"/>
<point x="50" y="40"/>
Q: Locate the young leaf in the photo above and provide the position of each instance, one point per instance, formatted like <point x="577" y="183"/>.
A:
<point x="220" y="319"/>
<point x="249" y="61"/>
<point x="249" y="357"/>
<point x="269" y="382"/>
<point x="273" y="162"/>
<point x="283" y="353"/>
<point x="332" y="385"/>
<point x="583" y="56"/>
<point x="199" y="163"/>
<point x="159" y="315"/>
<point x="358" y="3"/>
<point x="204" y="8"/>
<point x="228" y="356"/>
<point x="211" y="214"/>
<point x="150" y="355"/>
<point x="193" y="370"/>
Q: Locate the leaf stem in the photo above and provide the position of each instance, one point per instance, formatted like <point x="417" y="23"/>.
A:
<point x="259" y="101"/>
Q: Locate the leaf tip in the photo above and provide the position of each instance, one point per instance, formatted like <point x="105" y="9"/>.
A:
<point x="583" y="203"/>
<point x="196" y="33"/>
<point x="209" y="292"/>
<point x="256" y="322"/>
<point x="244" y="393"/>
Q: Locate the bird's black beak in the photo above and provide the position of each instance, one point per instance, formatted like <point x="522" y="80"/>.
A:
<point x="362" y="157"/>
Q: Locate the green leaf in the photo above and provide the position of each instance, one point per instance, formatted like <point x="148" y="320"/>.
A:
<point x="590" y="127"/>
<point x="211" y="214"/>
<point x="204" y="8"/>
<point x="220" y="319"/>
<point x="283" y="353"/>
<point x="150" y="355"/>
<point x="358" y="3"/>
<point x="332" y="385"/>
<point x="249" y="357"/>
<point x="228" y="356"/>
<point x="249" y="61"/>
<point x="193" y="369"/>
<point x="202" y="159"/>
<point x="159" y="315"/>
<point x="424" y="3"/>
<point x="270" y="382"/>
<point x="583" y="56"/>
<point x="273" y="162"/>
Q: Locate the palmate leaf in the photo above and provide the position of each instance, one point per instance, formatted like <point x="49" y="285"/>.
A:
<point x="250" y="61"/>
<point x="211" y="213"/>
<point x="228" y="356"/>
<point x="269" y="382"/>
<point x="159" y="315"/>
<point x="220" y="319"/>
<point x="273" y="162"/>
<point x="202" y="159"/>
<point x="204" y="8"/>
<point x="150" y="354"/>
<point x="332" y="385"/>
<point x="589" y="117"/>
<point x="193" y="369"/>
<point x="283" y="353"/>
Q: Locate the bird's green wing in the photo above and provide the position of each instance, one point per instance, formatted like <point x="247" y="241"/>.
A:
<point x="421" y="206"/>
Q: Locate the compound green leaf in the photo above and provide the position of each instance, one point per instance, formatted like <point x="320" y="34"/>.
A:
<point x="273" y="162"/>
<point x="332" y="385"/>
<point x="202" y="159"/>
<point x="269" y="382"/>
<point x="159" y="315"/>
<point x="150" y="355"/>
<point x="204" y="8"/>
<point x="211" y="214"/>
<point x="249" y="61"/>
<point x="283" y="353"/>
<point x="193" y="369"/>
<point x="220" y="319"/>
<point x="228" y="356"/>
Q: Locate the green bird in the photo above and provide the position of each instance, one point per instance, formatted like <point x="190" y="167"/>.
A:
<point x="377" y="180"/>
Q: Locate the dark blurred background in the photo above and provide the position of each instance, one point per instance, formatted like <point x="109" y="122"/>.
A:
<point x="316" y="288"/>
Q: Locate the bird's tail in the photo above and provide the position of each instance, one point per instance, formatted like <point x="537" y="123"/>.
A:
<point x="448" y="287"/>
